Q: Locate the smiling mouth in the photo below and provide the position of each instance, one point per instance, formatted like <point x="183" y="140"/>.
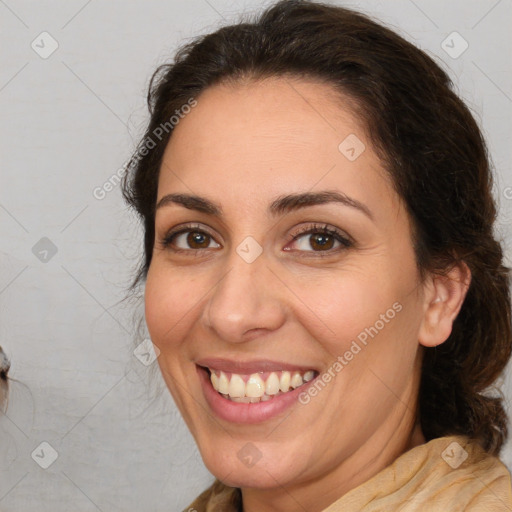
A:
<point x="257" y="387"/>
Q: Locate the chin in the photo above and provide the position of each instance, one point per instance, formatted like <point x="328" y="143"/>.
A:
<point x="245" y="464"/>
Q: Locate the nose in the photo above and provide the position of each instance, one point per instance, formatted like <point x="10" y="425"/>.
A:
<point x="247" y="301"/>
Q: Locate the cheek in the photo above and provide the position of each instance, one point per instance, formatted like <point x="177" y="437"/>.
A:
<point x="167" y="299"/>
<point x="343" y="307"/>
<point x="365" y="316"/>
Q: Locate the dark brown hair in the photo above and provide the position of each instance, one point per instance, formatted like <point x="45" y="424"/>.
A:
<point x="5" y="365"/>
<point x="428" y="142"/>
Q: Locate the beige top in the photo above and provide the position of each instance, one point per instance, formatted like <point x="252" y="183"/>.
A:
<point x="447" y="474"/>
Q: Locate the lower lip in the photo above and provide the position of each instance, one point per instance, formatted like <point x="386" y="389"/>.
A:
<point x="236" y="412"/>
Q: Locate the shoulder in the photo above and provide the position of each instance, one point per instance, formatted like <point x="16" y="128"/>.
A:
<point x="449" y="473"/>
<point x="452" y="473"/>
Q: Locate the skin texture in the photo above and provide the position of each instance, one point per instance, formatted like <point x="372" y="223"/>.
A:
<point x="241" y="147"/>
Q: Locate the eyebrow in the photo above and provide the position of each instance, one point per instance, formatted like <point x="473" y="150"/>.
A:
<point x="281" y="205"/>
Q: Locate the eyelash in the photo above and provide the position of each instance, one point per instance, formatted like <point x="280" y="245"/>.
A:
<point x="309" y="230"/>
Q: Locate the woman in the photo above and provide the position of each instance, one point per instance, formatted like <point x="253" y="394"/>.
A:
<point x="321" y="277"/>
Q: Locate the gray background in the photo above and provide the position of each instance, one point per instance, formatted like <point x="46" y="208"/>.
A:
<point x="68" y="123"/>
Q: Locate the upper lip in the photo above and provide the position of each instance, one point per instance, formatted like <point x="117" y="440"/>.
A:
<point x="253" y="366"/>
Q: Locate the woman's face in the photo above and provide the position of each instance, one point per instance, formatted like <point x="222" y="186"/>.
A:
<point x="254" y="288"/>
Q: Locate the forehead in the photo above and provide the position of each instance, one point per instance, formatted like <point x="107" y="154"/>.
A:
<point x="265" y="138"/>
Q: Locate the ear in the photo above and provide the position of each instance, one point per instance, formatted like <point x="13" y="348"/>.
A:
<point x="444" y="296"/>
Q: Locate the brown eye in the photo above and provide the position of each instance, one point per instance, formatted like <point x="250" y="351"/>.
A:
<point x="188" y="239"/>
<point x="320" y="239"/>
<point x="197" y="240"/>
<point x="317" y="241"/>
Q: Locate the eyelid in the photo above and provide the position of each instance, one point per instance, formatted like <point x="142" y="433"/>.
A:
<point x="316" y="227"/>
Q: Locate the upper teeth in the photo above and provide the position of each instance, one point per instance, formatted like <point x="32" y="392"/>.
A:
<point x="255" y="386"/>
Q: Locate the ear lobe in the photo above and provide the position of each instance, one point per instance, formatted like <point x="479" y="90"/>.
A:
<point x="444" y="296"/>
